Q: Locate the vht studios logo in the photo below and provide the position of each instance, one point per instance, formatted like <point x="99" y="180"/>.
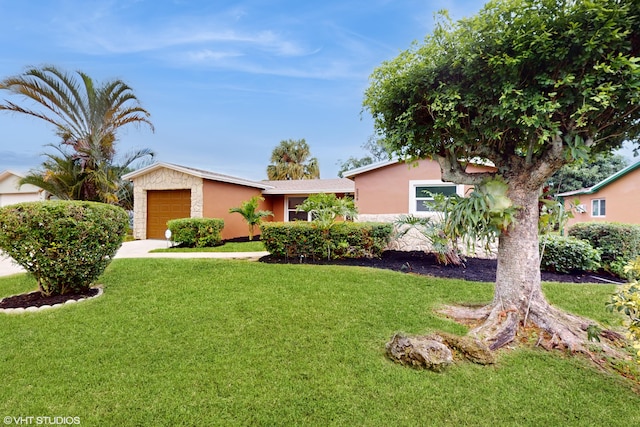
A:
<point x="50" y="421"/>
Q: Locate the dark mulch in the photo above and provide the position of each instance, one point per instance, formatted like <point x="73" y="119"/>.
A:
<point x="417" y="262"/>
<point x="35" y="299"/>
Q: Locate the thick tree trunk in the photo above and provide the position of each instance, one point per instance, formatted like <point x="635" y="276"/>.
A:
<point x="518" y="300"/>
<point x="518" y="271"/>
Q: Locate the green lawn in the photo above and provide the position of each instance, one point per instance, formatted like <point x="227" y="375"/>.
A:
<point x="254" y="246"/>
<point x="213" y="342"/>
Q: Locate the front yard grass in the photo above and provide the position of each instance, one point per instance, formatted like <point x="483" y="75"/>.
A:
<point x="216" y="342"/>
<point x="253" y="246"/>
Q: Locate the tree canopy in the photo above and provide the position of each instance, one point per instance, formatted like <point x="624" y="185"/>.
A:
<point x="377" y="153"/>
<point x="291" y="159"/>
<point x="583" y="174"/>
<point x="86" y="117"/>
<point x="528" y="85"/>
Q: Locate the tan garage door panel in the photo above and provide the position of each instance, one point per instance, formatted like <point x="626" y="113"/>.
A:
<point x="163" y="205"/>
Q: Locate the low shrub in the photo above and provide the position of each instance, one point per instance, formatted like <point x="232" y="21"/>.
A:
<point x="343" y="240"/>
<point x="196" y="232"/>
<point x="618" y="243"/>
<point x="66" y="245"/>
<point x="565" y="254"/>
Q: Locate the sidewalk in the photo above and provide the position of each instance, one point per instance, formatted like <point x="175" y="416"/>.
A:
<point x="140" y="249"/>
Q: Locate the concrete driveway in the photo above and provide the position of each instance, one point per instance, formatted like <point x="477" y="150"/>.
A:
<point x="140" y="249"/>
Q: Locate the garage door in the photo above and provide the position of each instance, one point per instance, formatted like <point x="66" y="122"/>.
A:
<point x="163" y="205"/>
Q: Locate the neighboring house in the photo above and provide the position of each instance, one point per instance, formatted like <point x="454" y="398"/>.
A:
<point x="11" y="192"/>
<point x="384" y="191"/>
<point x="164" y="191"/>
<point x="614" y="199"/>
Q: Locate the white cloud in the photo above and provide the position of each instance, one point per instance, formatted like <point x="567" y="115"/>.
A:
<point x="207" y="55"/>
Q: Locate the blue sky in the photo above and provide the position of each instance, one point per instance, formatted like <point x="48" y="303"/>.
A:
<point x="224" y="81"/>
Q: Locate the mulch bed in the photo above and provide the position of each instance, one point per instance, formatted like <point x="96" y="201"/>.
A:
<point x="474" y="269"/>
<point x="35" y="299"/>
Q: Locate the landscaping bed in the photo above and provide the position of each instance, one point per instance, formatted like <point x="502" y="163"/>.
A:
<point x="418" y="262"/>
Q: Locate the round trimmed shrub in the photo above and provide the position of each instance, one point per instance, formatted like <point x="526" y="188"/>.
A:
<point x="618" y="243"/>
<point x="66" y="245"/>
<point x="196" y="232"/>
<point x="566" y="254"/>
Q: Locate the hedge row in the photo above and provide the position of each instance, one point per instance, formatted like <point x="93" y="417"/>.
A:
<point x="66" y="245"/>
<point x="196" y="232"/>
<point x="618" y="243"/>
<point x="342" y="240"/>
<point x="566" y="254"/>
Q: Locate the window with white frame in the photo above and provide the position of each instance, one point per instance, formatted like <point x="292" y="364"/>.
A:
<point x="291" y="209"/>
<point x="598" y="207"/>
<point x="421" y="194"/>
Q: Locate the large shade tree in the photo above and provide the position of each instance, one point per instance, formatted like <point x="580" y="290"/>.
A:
<point x="86" y="116"/>
<point x="529" y="85"/>
<point x="291" y="159"/>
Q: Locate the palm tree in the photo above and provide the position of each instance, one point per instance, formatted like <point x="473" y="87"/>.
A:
<point x="248" y="211"/>
<point x="59" y="176"/>
<point x="86" y="117"/>
<point x="291" y="160"/>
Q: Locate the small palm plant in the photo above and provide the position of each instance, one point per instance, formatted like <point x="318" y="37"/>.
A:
<point x="249" y="212"/>
<point x="325" y="209"/>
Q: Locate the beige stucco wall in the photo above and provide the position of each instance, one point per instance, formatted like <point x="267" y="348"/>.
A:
<point x="163" y="179"/>
<point x="622" y="201"/>
<point x="413" y="240"/>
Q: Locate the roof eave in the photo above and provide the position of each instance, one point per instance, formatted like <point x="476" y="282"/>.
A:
<point x="614" y="177"/>
<point x="367" y="168"/>
<point x="213" y="177"/>
<point x="283" y="192"/>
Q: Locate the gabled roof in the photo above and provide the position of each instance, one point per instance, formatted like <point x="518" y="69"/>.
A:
<point x="299" y="186"/>
<point x="7" y="173"/>
<point x="604" y="182"/>
<point x="373" y="166"/>
<point x="310" y="186"/>
<point x="197" y="173"/>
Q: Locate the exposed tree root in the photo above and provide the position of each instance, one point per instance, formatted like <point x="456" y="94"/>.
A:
<point x="499" y="326"/>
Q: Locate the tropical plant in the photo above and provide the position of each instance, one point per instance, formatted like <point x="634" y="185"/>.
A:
<point x="253" y="217"/>
<point x="326" y="208"/>
<point x="529" y="85"/>
<point x="627" y="300"/>
<point x="444" y="247"/>
<point x="86" y="117"/>
<point x="292" y="159"/>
